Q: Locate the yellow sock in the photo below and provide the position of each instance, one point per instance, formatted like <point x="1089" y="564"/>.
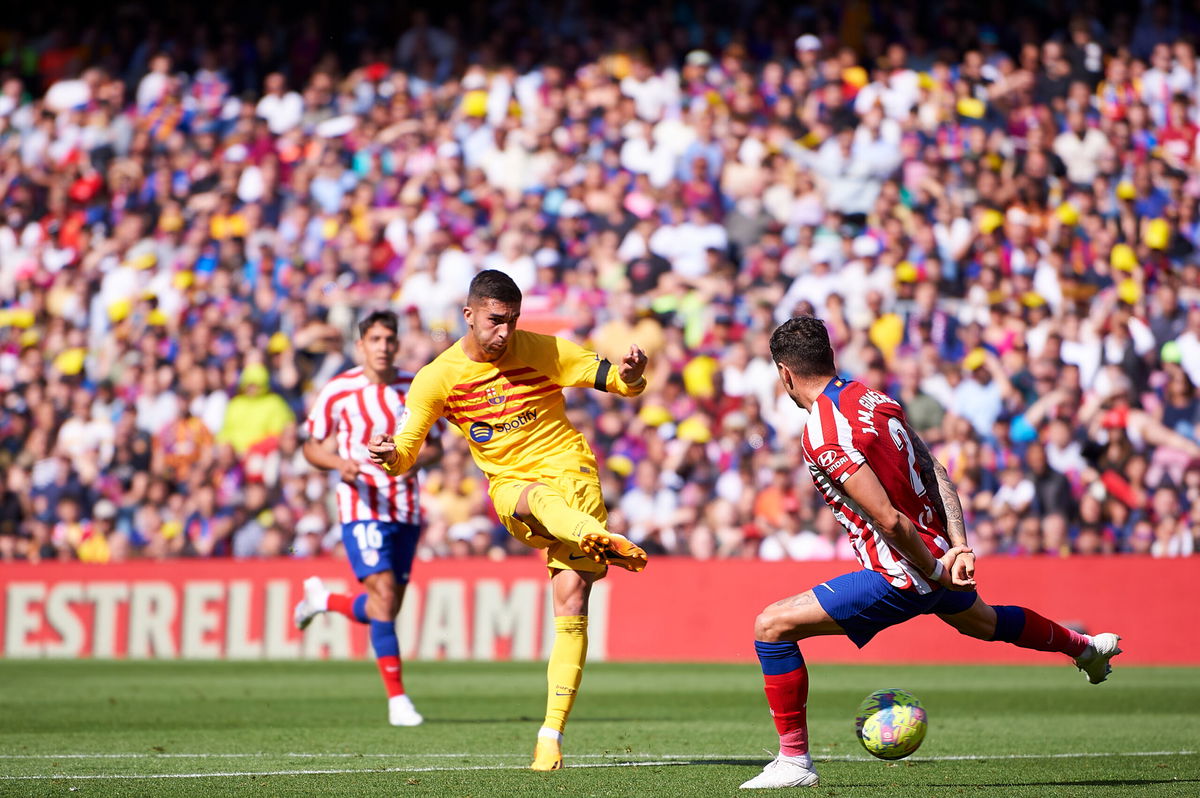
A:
<point x="560" y="519"/>
<point x="565" y="670"/>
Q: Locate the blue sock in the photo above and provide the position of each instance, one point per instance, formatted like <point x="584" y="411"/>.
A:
<point x="778" y="658"/>
<point x="1010" y="622"/>
<point x="360" y="608"/>
<point x="383" y="639"/>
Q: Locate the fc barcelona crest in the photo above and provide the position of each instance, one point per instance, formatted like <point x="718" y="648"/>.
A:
<point x="494" y="397"/>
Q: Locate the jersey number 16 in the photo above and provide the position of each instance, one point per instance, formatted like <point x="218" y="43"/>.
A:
<point x="368" y="536"/>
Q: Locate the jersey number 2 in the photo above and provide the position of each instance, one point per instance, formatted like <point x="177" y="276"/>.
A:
<point x="904" y="444"/>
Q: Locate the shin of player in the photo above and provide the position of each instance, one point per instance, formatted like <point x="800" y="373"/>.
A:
<point x="785" y="680"/>
<point x="564" y="671"/>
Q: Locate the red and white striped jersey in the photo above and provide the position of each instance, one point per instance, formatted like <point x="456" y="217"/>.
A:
<point x="353" y="408"/>
<point x="850" y="425"/>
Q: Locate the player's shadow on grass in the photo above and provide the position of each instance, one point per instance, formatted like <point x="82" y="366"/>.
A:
<point x="758" y="763"/>
<point x="1084" y="783"/>
<point x="1061" y="783"/>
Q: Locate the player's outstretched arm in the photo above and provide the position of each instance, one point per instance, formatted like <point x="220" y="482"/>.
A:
<point x="864" y="488"/>
<point x="570" y="364"/>
<point x="397" y="453"/>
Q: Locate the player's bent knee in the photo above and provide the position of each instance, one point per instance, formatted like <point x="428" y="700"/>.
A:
<point x="572" y="605"/>
<point x="523" y="510"/>
<point x="770" y="626"/>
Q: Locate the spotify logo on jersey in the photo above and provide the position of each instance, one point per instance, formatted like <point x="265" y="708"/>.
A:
<point x="481" y="432"/>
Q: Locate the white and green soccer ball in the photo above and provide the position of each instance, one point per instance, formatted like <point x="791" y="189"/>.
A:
<point x="890" y="724"/>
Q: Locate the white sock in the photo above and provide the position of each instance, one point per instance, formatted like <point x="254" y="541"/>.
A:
<point x="803" y="759"/>
<point x="321" y="601"/>
<point x="549" y="733"/>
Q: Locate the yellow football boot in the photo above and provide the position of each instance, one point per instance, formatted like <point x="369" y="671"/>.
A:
<point x="547" y="755"/>
<point x="614" y="549"/>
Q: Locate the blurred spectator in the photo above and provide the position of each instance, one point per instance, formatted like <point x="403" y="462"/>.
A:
<point x="256" y="413"/>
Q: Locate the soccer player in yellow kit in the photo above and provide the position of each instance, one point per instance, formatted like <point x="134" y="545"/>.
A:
<point x="502" y="387"/>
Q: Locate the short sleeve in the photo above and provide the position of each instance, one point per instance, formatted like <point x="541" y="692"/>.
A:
<point x="829" y="445"/>
<point x="580" y="367"/>
<point x="839" y="462"/>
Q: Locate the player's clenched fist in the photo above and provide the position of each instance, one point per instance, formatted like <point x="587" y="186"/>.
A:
<point x="958" y="569"/>
<point x="962" y="572"/>
<point x="632" y="365"/>
<point x="382" y="449"/>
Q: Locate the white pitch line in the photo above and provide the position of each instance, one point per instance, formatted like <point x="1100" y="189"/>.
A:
<point x="323" y="772"/>
<point x="255" y="755"/>
<point x="339" y="755"/>
<point x="660" y="760"/>
<point x="820" y="756"/>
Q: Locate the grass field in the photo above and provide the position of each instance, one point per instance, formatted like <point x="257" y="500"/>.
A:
<point x="306" y="729"/>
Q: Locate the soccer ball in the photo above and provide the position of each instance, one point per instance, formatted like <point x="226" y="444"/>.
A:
<point x="891" y="724"/>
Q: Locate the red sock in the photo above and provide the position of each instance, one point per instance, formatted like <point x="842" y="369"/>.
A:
<point x="787" y="695"/>
<point x="353" y="607"/>
<point x="389" y="669"/>
<point x="1042" y="634"/>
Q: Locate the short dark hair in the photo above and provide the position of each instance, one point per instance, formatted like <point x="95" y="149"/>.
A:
<point x="802" y="344"/>
<point x="385" y="317"/>
<point x="493" y="284"/>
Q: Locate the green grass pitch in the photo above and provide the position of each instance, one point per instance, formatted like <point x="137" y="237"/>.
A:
<point x="306" y="729"/>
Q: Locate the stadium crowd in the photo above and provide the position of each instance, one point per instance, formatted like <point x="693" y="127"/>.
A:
<point x="996" y="216"/>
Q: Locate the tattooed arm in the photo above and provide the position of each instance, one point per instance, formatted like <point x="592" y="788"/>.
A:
<point x="945" y="498"/>
<point x="945" y="495"/>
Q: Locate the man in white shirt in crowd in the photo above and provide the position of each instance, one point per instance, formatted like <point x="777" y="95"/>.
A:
<point x="1080" y="147"/>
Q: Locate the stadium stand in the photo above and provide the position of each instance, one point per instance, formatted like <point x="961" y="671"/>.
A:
<point x="996" y="216"/>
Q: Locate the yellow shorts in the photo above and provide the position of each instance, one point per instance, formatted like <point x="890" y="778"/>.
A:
<point x="582" y="493"/>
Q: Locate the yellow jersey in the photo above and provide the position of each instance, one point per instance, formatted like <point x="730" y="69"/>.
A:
<point x="511" y="410"/>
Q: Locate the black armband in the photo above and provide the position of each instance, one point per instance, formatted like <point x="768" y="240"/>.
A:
<point x="602" y="370"/>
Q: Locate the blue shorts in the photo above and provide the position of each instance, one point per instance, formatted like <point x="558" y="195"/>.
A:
<point x="377" y="546"/>
<point x="864" y="603"/>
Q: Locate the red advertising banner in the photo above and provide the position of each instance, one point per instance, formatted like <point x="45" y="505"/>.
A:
<point x="681" y="610"/>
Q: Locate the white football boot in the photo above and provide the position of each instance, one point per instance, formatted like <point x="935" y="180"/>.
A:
<point x="1094" y="659"/>
<point x="315" y="601"/>
<point x="401" y="712"/>
<point x="785" y="771"/>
